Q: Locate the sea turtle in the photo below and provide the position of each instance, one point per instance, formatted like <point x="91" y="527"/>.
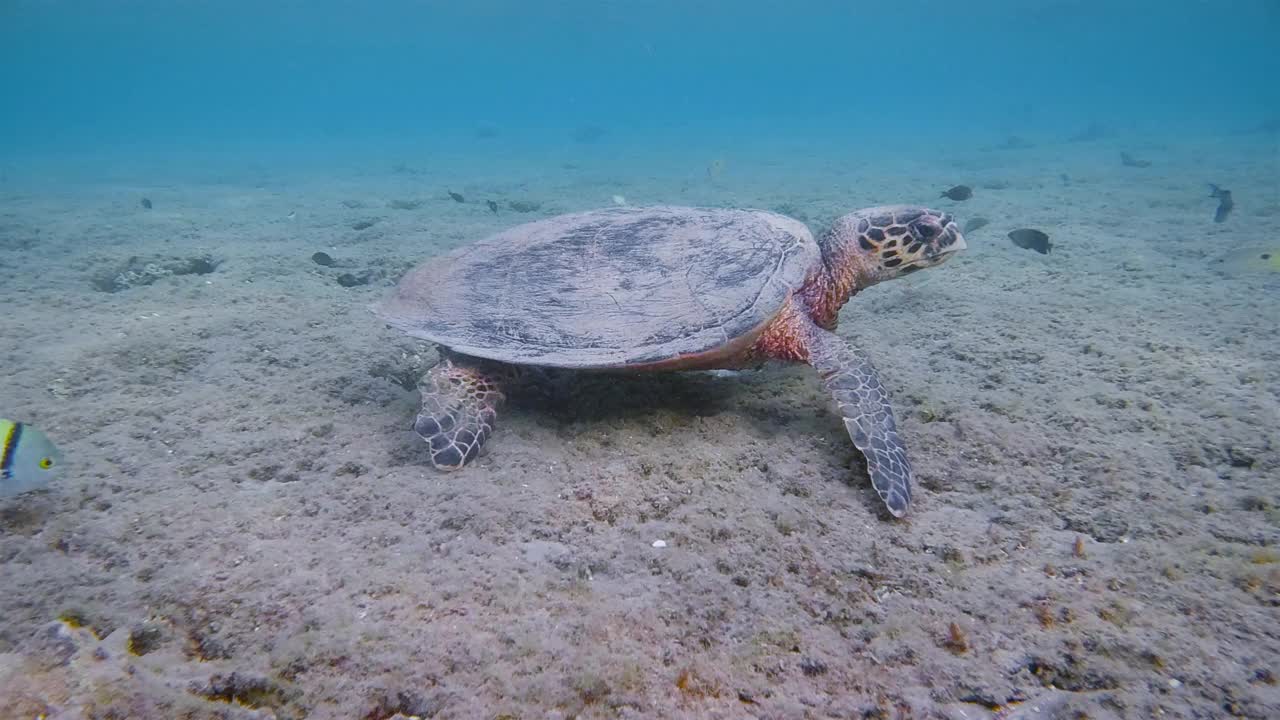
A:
<point x="659" y="289"/>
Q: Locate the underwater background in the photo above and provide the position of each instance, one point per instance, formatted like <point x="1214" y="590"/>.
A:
<point x="306" y="76"/>
<point x="200" y="201"/>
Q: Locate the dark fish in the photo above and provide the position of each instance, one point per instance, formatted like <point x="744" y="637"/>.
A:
<point x="524" y="206"/>
<point x="588" y="133"/>
<point x="1093" y="132"/>
<point x="456" y="197"/>
<point x="323" y="258"/>
<point x="492" y="206"/>
<point x="959" y="192"/>
<point x="1225" y="203"/>
<point x="974" y="224"/>
<point x="1128" y="160"/>
<point x="146" y="203"/>
<point x="1029" y="239"/>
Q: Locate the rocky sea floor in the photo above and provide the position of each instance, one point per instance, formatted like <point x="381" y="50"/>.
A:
<point x="248" y="528"/>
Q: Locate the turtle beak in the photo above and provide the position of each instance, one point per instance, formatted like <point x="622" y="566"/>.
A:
<point x="951" y="239"/>
<point x="946" y="244"/>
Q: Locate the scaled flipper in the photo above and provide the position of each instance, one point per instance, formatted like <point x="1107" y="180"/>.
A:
<point x="459" y="407"/>
<point x="868" y="416"/>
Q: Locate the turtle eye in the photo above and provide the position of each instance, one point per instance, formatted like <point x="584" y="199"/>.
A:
<point x="46" y="463"/>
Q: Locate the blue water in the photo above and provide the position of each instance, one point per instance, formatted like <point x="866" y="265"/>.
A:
<point x="91" y="76"/>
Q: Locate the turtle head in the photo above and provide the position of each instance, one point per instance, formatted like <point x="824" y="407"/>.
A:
<point x="876" y="244"/>
<point x="895" y="240"/>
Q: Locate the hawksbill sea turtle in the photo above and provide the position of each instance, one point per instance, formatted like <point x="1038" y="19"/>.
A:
<point x="665" y="288"/>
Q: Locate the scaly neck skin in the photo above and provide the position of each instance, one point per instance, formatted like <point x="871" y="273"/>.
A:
<point x="846" y="269"/>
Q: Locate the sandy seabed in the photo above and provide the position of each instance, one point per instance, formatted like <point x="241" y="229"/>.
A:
<point x="246" y="527"/>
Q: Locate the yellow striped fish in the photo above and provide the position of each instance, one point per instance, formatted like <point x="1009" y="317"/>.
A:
<point x="28" y="458"/>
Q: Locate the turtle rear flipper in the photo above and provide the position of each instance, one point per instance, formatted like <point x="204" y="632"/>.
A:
<point x="868" y="416"/>
<point x="459" y="408"/>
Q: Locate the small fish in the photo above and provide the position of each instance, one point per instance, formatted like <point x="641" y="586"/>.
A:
<point x="588" y="133"/>
<point x="28" y="458"/>
<point x="493" y="206"/>
<point x="1225" y="203"/>
<point x="715" y="169"/>
<point x="1254" y="259"/>
<point x="1095" y="131"/>
<point x="1029" y="239"/>
<point x="974" y="224"/>
<point x="1013" y="142"/>
<point x="1128" y="160"/>
<point x="524" y="206"/>
<point x="293" y="215"/>
<point x="959" y="192"/>
<point x="145" y="203"/>
<point x="324" y="259"/>
<point x="456" y="197"/>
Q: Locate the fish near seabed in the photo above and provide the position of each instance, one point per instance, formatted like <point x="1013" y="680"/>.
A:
<point x="715" y="169"/>
<point x="1128" y="160"/>
<point x="959" y="192"/>
<point x="28" y="458"/>
<point x="1263" y="258"/>
<point x="457" y="197"/>
<point x="1030" y="239"/>
<point x="1225" y="203"/>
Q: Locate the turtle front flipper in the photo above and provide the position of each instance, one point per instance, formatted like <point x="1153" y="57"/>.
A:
<point x="868" y="416"/>
<point x="459" y="408"/>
